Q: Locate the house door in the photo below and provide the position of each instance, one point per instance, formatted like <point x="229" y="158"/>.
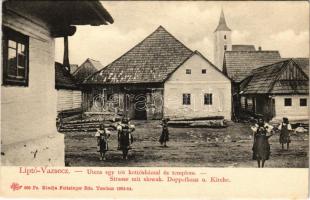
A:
<point x="140" y="107"/>
<point x="135" y="106"/>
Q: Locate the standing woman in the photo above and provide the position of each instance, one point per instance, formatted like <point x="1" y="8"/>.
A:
<point x="164" y="137"/>
<point x="102" y="136"/>
<point x="285" y="128"/>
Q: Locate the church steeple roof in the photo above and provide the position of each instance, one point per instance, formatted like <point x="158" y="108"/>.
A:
<point x="222" y="26"/>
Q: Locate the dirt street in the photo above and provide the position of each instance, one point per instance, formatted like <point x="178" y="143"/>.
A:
<point x="188" y="147"/>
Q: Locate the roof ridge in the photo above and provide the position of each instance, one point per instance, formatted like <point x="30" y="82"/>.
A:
<point x="160" y="27"/>
<point x="266" y="66"/>
<point x="285" y="62"/>
<point x="175" y="38"/>
<point x="80" y="67"/>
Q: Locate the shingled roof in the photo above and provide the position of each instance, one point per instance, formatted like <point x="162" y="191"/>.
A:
<point x="242" y="47"/>
<point x="89" y="67"/>
<point x="150" y="61"/>
<point x="239" y="64"/>
<point x="63" y="79"/>
<point x="284" y="77"/>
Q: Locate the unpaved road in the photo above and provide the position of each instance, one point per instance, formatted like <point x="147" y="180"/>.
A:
<point x="188" y="147"/>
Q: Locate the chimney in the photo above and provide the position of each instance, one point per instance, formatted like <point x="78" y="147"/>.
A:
<point x="259" y="48"/>
<point x="66" y="62"/>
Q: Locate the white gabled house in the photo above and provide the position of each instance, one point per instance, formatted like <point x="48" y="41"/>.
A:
<point x="159" y="77"/>
<point x="197" y="89"/>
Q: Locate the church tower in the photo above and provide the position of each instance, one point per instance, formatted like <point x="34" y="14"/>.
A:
<point x="222" y="41"/>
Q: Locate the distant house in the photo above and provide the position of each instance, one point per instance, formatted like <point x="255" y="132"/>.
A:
<point x="276" y="91"/>
<point x="87" y="68"/>
<point x="69" y="95"/>
<point x="73" y="68"/>
<point x="29" y="99"/>
<point x="238" y="65"/>
<point x="160" y="77"/>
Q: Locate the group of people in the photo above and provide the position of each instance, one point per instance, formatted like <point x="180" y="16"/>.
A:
<point x="263" y="128"/>
<point x="124" y="136"/>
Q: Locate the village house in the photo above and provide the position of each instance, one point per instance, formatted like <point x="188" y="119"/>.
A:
<point x="159" y="77"/>
<point x="28" y="94"/>
<point x="69" y="95"/>
<point x="87" y="68"/>
<point x="276" y="91"/>
<point x="238" y="65"/>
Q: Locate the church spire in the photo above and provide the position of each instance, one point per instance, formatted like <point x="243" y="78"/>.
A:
<point x="222" y="26"/>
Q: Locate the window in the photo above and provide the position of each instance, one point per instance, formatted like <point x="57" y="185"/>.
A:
<point x="225" y="47"/>
<point x="287" y="102"/>
<point x="203" y="71"/>
<point x="186" y="99"/>
<point x="224" y="37"/>
<point x="188" y="71"/>
<point x="303" y="102"/>
<point x="15" y="57"/>
<point x="208" y="99"/>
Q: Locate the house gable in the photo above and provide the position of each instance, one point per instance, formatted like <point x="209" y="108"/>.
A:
<point x="86" y="69"/>
<point x="284" y="77"/>
<point x="293" y="72"/>
<point x="201" y="70"/>
<point x="291" y="80"/>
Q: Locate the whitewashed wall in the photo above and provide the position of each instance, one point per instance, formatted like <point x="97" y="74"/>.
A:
<point x="28" y="114"/>
<point x="294" y="112"/>
<point x="197" y="84"/>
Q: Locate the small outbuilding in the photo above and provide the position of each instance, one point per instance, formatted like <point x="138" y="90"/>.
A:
<point x="276" y="91"/>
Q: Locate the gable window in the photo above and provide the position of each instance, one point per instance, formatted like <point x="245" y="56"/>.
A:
<point x="225" y="47"/>
<point x="203" y="71"/>
<point x="224" y="37"/>
<point x="188" y="71"/>
<point x="208" y="99"/>
<point x="287" y="102"/>
<point x="303" y="102"/>
<point x="186" y="99"/>
<point x="15" y="54"/>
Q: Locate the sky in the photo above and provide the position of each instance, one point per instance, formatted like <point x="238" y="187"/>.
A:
<point x="274" y="25"/>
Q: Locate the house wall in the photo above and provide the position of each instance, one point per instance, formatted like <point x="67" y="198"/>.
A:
<point x="28" y="116"/>
<point x="197" y="84"/>
<point x="68" y="99"/>
<point x="294" y="112"/>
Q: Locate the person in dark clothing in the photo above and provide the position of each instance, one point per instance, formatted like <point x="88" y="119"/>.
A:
<point x="102" y="136"/>
<point x="285" y="128"/>
<point x="164" y="137"/>
<point x="261" y="128"/>
<point x="125" y="128"/>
